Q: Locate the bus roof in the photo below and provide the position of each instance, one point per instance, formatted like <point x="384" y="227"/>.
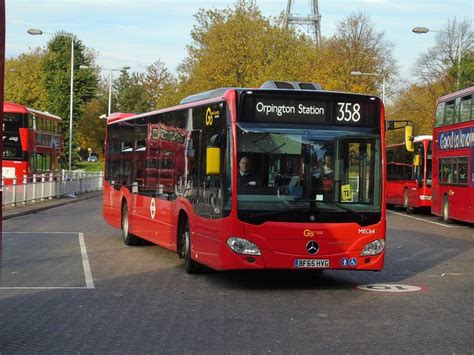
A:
<point x="453" y="95"/>
<point x="118" y="116"/>
<point x="12" y="107"/>
<point x="212" y="95"/>
<point x="221" y="91"/>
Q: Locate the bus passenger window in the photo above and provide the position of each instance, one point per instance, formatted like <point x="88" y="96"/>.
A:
<point x="465" y="112"/>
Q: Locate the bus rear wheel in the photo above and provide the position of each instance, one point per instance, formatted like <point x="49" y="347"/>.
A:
<point x="445" y="211"/>
<point x="406" y="201"/>
<point x="128" y="238"/>
<point x="190" y="266"/>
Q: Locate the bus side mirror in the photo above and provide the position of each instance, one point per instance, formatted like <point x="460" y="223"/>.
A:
<point x="213" y="158"/>
<point x="409" y="138"/>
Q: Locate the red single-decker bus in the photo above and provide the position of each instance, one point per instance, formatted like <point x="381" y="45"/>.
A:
<point x="313" y="197"/>
<point x="409" y="174"/>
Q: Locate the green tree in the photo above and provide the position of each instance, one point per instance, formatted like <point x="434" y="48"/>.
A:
<point x="130" y="94"/>
<point x="160" y="85"/>
<point x="91" y="128"/>
<point x="466" y="78"/>
<point x="24" y="80"/>
<point x="56" y="81"/>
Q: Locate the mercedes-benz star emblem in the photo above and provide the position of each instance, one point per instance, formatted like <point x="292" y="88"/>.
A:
<point x="312" y="247"/>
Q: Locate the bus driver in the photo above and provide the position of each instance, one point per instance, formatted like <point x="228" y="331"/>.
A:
<point x="245" y="175"/>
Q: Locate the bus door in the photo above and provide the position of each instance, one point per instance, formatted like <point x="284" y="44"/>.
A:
<point x="205" y="189"/>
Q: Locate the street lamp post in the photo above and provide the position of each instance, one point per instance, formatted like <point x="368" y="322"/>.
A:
<point x="373" y="74"/>
<point x="423" y="30"/>
<point x="37" y="32"/>
<point x="121" y="69"/>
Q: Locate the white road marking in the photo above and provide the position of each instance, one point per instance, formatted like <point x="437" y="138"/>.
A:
<point x="85" y="264"/>
<point x="45" y="288"/>
<point x="423" y="220"/>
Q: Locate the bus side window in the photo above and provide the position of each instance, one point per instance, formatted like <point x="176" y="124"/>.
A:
<point x="440" y="114"/>
<point x="466" y="109"/>
<point x="449" y="113"/>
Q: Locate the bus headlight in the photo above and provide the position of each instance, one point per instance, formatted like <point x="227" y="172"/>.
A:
<point x="242" y="246"/>
<point x="373" y="248"/>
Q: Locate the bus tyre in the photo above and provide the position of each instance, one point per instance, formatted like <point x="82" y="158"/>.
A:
<point x="445" y="211"/>
<point x="128" y="238"/>
<point x="190" y="266"/>
<point x="406" y="202"/>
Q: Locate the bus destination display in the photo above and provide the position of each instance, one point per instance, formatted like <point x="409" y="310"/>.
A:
<point x="344" y="110"/>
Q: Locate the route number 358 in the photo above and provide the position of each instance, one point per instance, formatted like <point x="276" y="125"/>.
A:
<point x="348" y="111"/>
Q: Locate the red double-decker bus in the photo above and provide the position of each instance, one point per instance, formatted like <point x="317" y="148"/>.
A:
<point x="313" y="197"/>
<point x="453" y="157"/>
<point x="32" y="142"/>
<point x="409" y="174"/>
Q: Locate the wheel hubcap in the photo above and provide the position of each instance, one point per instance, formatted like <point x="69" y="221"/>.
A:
<point x="125" y="224"/>
<point x="186" y="243"/>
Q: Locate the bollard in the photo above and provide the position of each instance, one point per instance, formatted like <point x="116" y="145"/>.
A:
<point x="25" y="189"/>
<point x="34" y="188"/>
<point x="14" y="192"/>
<point x="50" y="186"/>
<point x="80" y="182"/>
<point x="42" y="187"/>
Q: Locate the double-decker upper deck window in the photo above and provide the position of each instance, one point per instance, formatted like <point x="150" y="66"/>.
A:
<point x="466" y="108"/>
<point x="440" y="114"/>
<point x="449" y="113"/>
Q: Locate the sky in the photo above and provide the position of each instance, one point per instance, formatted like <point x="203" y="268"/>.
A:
<point x="137" y="33"/>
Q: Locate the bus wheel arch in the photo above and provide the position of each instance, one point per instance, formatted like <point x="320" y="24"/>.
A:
<point x="128" y="238"/>
<point x="445" y="210"/>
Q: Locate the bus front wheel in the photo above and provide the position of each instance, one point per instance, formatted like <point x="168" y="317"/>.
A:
<point x="445" y="211"/>
<point x="128" y="238"/>
<point x="190" y="266"/>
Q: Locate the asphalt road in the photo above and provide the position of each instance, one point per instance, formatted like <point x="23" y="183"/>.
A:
<point x="69" y="284"/>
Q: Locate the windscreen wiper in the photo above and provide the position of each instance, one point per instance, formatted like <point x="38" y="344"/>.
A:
<point x="361" y="216"/>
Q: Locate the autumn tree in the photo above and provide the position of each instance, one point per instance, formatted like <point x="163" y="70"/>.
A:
<point x="240" y="47"/>
<point x="357" y="46"/>
<point x="439" y="63"/>
<point x="24" y="80"/>
<point x="416" y="103"/>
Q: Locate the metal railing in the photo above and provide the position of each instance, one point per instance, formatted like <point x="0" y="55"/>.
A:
<point x="48" y="186"/>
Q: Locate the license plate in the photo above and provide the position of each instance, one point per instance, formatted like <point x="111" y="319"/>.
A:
<point x="312" y="263"/>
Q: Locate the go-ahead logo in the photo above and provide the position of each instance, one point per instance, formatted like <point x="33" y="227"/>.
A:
<point x="310" y="233"/>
